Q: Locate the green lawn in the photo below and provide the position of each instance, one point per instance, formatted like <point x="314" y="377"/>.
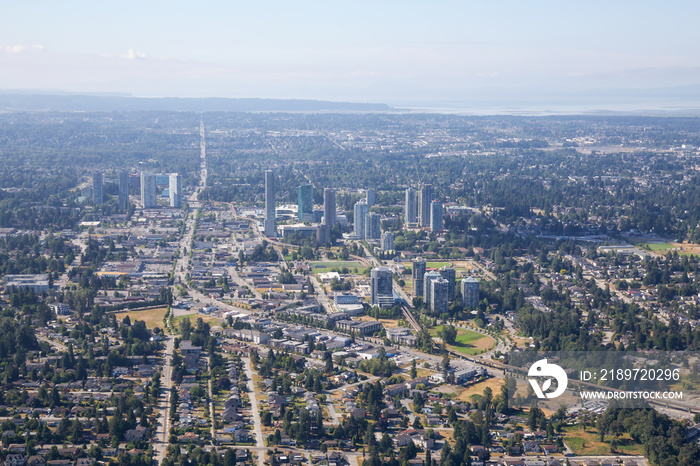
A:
<point x="469" y="342"/>
<point x="658" y="246"/>
<point x="320" y="267"/>
<point x="193" y="319"/>
<point x="436" y="265"/>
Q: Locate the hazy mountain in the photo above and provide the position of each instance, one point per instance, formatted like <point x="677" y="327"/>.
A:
<point x="21" y="101"/>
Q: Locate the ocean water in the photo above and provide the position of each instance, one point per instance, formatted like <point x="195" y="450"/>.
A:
<point x="534" y="107"/>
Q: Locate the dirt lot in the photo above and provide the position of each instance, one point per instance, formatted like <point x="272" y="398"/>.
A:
<point x="387" y="323"/>
<point x="478" y="389"/>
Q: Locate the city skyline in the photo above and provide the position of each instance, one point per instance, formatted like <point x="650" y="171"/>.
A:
<point x="145" y="334"/>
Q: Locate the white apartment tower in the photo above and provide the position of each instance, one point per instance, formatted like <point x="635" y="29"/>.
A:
<point x="435" y="215"/>
<point x="425" y="198"/>
<point x="97" y="193"/>
<point x="148" y="190"/>
<point x="329" y="206"/>
<point x="270" y="221"/>
<point x="175" y="190"/>
<point x="123" y="191"/>
<point x="410" y="211"/>
<point x="361" y="210"/>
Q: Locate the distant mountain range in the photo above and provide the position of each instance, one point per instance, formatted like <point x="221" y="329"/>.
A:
<point x="59" y="102"/>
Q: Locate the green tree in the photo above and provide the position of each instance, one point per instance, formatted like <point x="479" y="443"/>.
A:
<point x="448" y="333"/>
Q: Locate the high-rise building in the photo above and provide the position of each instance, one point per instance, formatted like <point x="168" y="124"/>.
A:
<point x="175" y="188"/>
<point x="382" y="287"/>
<point x="123" y="191"/>
<point x="270" y="220"/>
<point x="329" y="207"/>
<point x="425" y="198"/>
<point x="306" y="203"/>
<point x="470" y="292"/>
<point x="323" y="234"/>
<point x="387" y="241"/>
<point x="97" y="196"/>
<point x="361" y="210"/>
<point x="449" y="274"/>
<point x="417" y="276"/>
<point x="371" y="197"/>
<point x="373" y="226"/>
<point x="436" y="216"/>
<point x="148" y="190"/>
<point x="428" y="278"/>
<point x="439" y="289"/>
<point x="410" y="211"/>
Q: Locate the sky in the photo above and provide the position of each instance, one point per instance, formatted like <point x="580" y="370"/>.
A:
<point x="397" y="52"/>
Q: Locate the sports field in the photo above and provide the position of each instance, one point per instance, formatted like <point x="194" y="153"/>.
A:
<point x="662" y="248"/>
<point x="321" y="266"/>
<point x="469" y="342"/>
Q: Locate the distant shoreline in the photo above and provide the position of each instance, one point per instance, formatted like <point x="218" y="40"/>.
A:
<point x="20" y="101"/>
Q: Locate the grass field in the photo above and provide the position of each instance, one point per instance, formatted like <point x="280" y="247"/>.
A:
<point x="321" y="267"/>
<point x="663" y="248"/>
<point x="463" y="265"/>
<point x="658" y="247"/>
<point x="588" y="443"/>
<point x="152" y="317"/>
<point x="436" y="265"/>
<point x="478" y="389"/>
<point x="420" y="372"/>
<point x="193" y="318"/>
<point x="469" y="342"/>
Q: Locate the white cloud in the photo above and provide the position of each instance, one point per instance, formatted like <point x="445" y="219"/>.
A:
<point x="133" y="55"/>
<point x="23" y="48"/>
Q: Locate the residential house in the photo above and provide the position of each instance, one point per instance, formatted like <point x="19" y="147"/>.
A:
<point x="135" y="434"/>
<point x="36" y="460"/>
<point x="17" y="459"/>
<point x="241" y="436"/>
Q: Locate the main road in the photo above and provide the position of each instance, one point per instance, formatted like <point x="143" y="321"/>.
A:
<point x="211" y="403"/>
<point x="163" y="424"/>
<point x="259" y="442"/>
<point x="162" y="429"/>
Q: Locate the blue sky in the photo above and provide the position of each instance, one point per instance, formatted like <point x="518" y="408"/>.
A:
<point x="382" y="51"/>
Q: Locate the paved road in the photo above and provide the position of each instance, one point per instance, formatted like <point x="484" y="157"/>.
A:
<point x="211" y="404"/>
<point x="80" y="243"/>
<point x="241" y="282"/>
<point x="162" y="428"/>
<point x="335" y="419"/>
<point x="321" y="294"/>
<point x="483" y="269"/>
<point x="352" y="458"/>
<point x="411" y="415"/>
<point x="350" y="385"/>
<point x="373" y="261"/>
<point x="203" y="154"/>
<point x="256" y="413"/>
<point x="55" y="344"/>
